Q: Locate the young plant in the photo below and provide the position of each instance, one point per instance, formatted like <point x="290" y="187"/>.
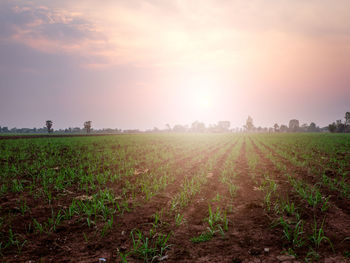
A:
<point x="203" y="237"/>
<point x="318" y="235"/>
<point x="179" y="219"/>
<point x="148" y="248"/>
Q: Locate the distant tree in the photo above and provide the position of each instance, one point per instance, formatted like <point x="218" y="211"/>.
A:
<point x="223" y="126"/>
<point x="49" y="126"/>
<point x="168" y="126"/>
<point x="340" y="126"/>
<point x="179" y="128"/>
<point x="198" y="127"/>
<point x="332" y="127"/>
<point x="76" y="130"/>
<point x="276" y="127"/>
<point x="249" y="126"/>
<point x="283" y="128"/>
<point x="347" y="122"/>
<point x="87" y="126"/>
<point x="293" y="125"/>
<point x="312" y="127"/>
<point x="347" y="118"/>
<point x="304" y="127"/>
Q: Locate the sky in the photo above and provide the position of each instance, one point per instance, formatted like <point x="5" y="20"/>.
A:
<point x="144" y="63"/>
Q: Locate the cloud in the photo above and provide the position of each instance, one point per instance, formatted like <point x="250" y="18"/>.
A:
<point x="175" y="34"/>
<point x="51" y="30"/>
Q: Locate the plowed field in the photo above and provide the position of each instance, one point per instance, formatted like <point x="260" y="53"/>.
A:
<point x="176" y="198"/>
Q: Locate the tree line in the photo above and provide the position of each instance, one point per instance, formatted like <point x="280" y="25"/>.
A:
<point x="197" y="127"/>
<point x="48" y="128"/>
<point x="294" y="126"/>
<point x="339" y="126"/>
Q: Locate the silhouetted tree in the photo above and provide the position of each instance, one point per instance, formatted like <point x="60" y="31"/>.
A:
<point x="347" y="118"/>
<point x="303" y="127"/>
<point x="249" y="124"/>
<point x="312" y="127"/>
<point x="347" y="122"/>
<point x="49" y="126"/>
<point x="340" y="126"/>
<point x="168" y="126"/>
<point x="87" y="126"/>
<point x="293" y="125"/>
<point x="332" y="127"/>
<point x="276" y="127"/>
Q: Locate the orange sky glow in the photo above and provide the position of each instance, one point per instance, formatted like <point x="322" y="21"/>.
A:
<point x="140" y="64"/>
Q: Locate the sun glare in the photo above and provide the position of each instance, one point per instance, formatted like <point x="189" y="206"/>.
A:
<point x="201" y="93"/>
<point x="201" y="98"/>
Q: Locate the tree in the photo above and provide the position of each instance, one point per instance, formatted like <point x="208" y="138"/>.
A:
<point x="340" y="126"/>
<point x="347" y="118"/>
<point x="304" y="127"/>
<point x="332" y="127"/>
<point x="223" y="126"/>
<point x="312" y="127"/>
<point x="249" y="124"/>
<point x="76" y="130"/>
<point x="49" y="126"/>
<point x="87" y="126"/>
<point x="198" y="127"/>
<point x="293" y="125"/>
<point x="283" y="128"/>
<point x="276" y="127"/>
<point x="179" y="128"/>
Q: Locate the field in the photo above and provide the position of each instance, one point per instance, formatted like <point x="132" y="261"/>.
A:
<point x="176" y="198"/>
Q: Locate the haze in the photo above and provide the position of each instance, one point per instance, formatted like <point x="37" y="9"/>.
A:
<point x="140" y="64"/>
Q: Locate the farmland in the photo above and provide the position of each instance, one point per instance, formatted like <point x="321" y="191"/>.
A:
<point x="176" y="198"/>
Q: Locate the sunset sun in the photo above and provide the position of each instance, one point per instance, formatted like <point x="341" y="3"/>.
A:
<point x="202" y="98"/>
<point x="202" y="93"/>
